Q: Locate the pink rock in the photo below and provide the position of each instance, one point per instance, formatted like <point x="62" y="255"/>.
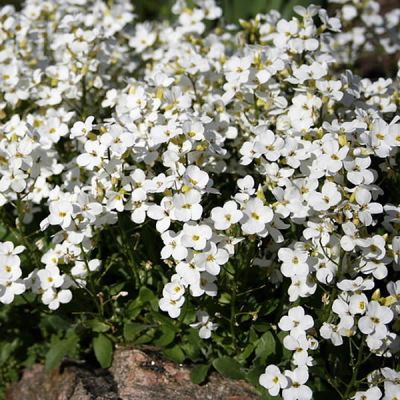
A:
<point x="135" y="375"/>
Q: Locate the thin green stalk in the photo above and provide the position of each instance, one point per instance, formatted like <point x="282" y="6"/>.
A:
<point x="127" y="250"/>
<point x="232" y="320"/>
<point x="92" y="291"/>
<point x="355" y="369"/>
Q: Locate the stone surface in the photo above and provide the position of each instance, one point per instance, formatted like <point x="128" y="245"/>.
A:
<point x="72" y="382"/>
<point x="134" y="375"/>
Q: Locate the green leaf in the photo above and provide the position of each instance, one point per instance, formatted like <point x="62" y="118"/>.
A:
<point x="163" y="319"/>
<point x="146" y="295"/>
<point x="191" y="350"/>
<point x="133" y="309"/>
<point x="199" y="373"/>
<point x="6" y="234"/>
<point x="261" y="327"/>
<point x="266" y="345"/>
<point x="115" y="289"/>
<point x="254" y="373"/>
<point x="245" y="354"/>
<point x="97" y="326"/>
<point x="228" y="367"/>
<point x="253" y="336"/>
<point x="175" y="353"/>
<point x="103" y="350"/>
<point x="59" y="350"/>
<point x="6" y="349"/>
<point x="132" y="330"/>
<point x="270" y="307"/>
<point x="146" y="337"/>
<point x="167" y="336"/>
<point x="225" y="298"/>
<point x="236" y="9"/>
<point x="58" y="323"/>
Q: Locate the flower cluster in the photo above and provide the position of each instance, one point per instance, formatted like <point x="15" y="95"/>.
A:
<point x="10" y="282"/>
<point x="223" y="141"/>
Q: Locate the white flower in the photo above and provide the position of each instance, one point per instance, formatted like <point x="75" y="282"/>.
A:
<point x="205" y="285"/>
<point x="392" y="391"/>
<point x="246" y="184"/>
<point x="60" y="213"/>
<point x="93" y="156"/>
<point x="363" y="198"/>
<point x="296" y="389"/>
<point x="273" y="380"/>
<point x="237" y="69"/>
<point x="8" y="248"/>
<point x="50" y="277"/>
<point x="115" y="201"/>
<point x="211" y="259"/>
<point x="375" y="320"/>
<point x="189" y="272"/>
<point x="204" y="325"/>
<point x="171" y="306"/>
<point x="330" y="331"/>
<point x="256" y="216"/>
<point x="174" y="290"/>
<point x="224" y="217"/>
<point x="373" y="248"/>
<point x="53" y="298"/>
<point x="358" y="303"/>
<point x="195" y="236"/>
<point x="294" y="262"/>
<point x="195" y="177"/>
<point x="358" y="172"/>
<point x="161" y="213"/>
<point x="349" y="240"/>
<point x="380" y="138"/>
<point x="296" y="322"/>
<point x="332" y="159"/>
<point x="143" y="37"/>
<point x="267" y="144"/>
<point x="187" y="206"/>
<point x="301" y="286"/>
<point x="373" y="393"/>
<point x="9" y="289"/>
<point x="9" y="267"/>
<point x="163" y="133"/>
<point x="356" y="285"/>
<point x="82" y="128"/>
<point x="329" y="197"/>
<point x="81" y="269"/>
<point x="299" y="344"/>
<point x="173" y="246"/>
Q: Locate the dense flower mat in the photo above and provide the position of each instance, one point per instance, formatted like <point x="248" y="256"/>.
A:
<point x="229" y="193"/>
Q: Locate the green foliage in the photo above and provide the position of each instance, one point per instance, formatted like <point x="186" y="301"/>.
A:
<point x="59" y="349"/>
<point x="175" y="353"/>
<point x="265" y="346"/>
<point x="89" y="326"/>
<point x="233" y="9"/>
<point x="103" y="350"/>
<point x="199" y="373"/>
<point x="228" y="367"/>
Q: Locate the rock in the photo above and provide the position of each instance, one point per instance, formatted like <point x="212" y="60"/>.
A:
<point x="77" y="383"/>
<point x="135" y="375"/>
<point x="143" y="375"/>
